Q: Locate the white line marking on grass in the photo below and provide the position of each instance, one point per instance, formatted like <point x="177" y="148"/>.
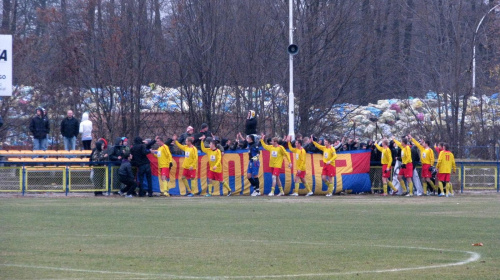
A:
<point x="473" y="257"/>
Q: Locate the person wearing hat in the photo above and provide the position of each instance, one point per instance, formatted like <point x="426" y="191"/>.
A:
<point x="40" y="129"/>
<point x="116" y="155"/>
<point x="251" y="123"/>
<point x="141" y="161"/>
<point x="86" y="131"/>
<point x="97" y="157"/>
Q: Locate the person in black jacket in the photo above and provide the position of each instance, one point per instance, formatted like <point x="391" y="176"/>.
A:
<point x="140" y="160"/>
<point x="1" y="121"/>
<point x="126" y="176"/>
<point x="97" y="157"/>
<point x="251" y="123"/>
<point x="70" y="127"/>
<point x="204" y="133"/>
<point x="40" y="129"/>
<point x="116" y="155"/>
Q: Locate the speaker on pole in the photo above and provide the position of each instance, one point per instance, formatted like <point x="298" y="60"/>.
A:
<point x="293" y="49"/>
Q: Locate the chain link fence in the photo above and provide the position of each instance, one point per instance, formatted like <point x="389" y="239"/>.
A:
<point x="45" y="179"/>
<point x="11" y="179"/>
<point x="469" y="176"/>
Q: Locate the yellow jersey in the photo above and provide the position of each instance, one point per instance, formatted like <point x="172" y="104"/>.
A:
<point x="276" y="154"/>
<point x="190" y="156"/>
<point x="405" y="152"/>
<point x="426" y="155"/>
<point x="300" y="157"/>
<point x="329" y="154"/>
<point x="386" y="155"/>
<point x="164" y="157"/>
<point x="446" y="162"/>
<point x="214" y="158"/>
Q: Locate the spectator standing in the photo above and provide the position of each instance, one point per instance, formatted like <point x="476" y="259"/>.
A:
<point x="251" y="123"/>
<point x="116" y="155"/>
<point x="86" y="131"/>
<point x="40" y="129"/>
<point x="204" y="133"/>
<point x="69" y="130"/>
<point x="184" y="136"/>
<point x="140" y="160"/>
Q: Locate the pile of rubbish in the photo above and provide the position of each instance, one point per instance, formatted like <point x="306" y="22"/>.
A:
<point x="399" y="116"/>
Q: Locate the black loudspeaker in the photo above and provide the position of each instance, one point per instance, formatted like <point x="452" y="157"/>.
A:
<point x="293" y="49"/>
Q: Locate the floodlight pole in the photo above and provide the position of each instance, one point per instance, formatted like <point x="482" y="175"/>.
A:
<point x="474" y="49"/>
<point x="291" y="105"/>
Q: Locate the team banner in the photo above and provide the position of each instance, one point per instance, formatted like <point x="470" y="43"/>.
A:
<point x="352" y="174"/>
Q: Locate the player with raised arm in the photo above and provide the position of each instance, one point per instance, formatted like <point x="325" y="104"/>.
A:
<point x="164" y="163"/>
<point x="300" y="163"/>
<point x="190" y="163"/>
<point x="276" y="155"/>
<point x="386" y="161"/>
<point x="406" y="169"/>
<point x="214" y="174"/>
<point x="427" y="160"/>
<point x="329" y="171"/>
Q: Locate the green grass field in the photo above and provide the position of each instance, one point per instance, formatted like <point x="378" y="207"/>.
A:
<point x="351" y="237"/>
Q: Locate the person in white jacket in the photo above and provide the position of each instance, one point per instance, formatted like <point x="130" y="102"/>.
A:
<point x="86" y="131"/>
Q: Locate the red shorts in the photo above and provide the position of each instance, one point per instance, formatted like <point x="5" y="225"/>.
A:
<point x="189" y="174"/>
<point x="300" y="174"/>
<point x="408" y="171"/>
<point x="276" y="171"/>
<point x="386" y="173"/>
<point x="328" y="170"/>
<point x="425" y="171"/>
<point x="165" y="171"/>
<point x="443" y="177"/>
<point x="212" y="175"/>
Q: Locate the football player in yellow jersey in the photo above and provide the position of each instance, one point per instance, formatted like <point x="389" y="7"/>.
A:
<point x="190" y="163"/>
<point x="300" y="162"/>
<point x="276" y="155"/>
<point x="164" y="162"/>
<point x="386" y="166"/>
<point x="329" y="171"/>
<point x="445" y="165"/>
<point x="214" y="174"/>
<point x="427" y="159"/>
<point x="406" y="169"/>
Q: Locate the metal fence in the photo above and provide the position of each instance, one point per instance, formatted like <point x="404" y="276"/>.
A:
<point x="469" y="176"/>
<point x="49" y="177"/>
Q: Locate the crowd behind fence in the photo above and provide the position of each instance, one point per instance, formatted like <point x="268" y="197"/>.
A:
<point x="24" y="177"/>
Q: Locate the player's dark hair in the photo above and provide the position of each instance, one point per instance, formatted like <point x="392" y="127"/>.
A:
<point x="404" y="141"/>
<point x="299" y="141"/>
<point x="427" y="142"/>
<point x="446" y="146"/>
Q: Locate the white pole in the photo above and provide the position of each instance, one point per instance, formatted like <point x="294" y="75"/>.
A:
<point x="291" y="105"/>
<point x="474" y="50"/>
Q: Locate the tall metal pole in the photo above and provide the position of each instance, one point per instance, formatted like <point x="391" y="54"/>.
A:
<point x="291" y="105"/>
<point x="474" y="49"/>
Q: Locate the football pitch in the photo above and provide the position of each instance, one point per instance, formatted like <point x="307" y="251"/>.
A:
<point x="346" y="237"/>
